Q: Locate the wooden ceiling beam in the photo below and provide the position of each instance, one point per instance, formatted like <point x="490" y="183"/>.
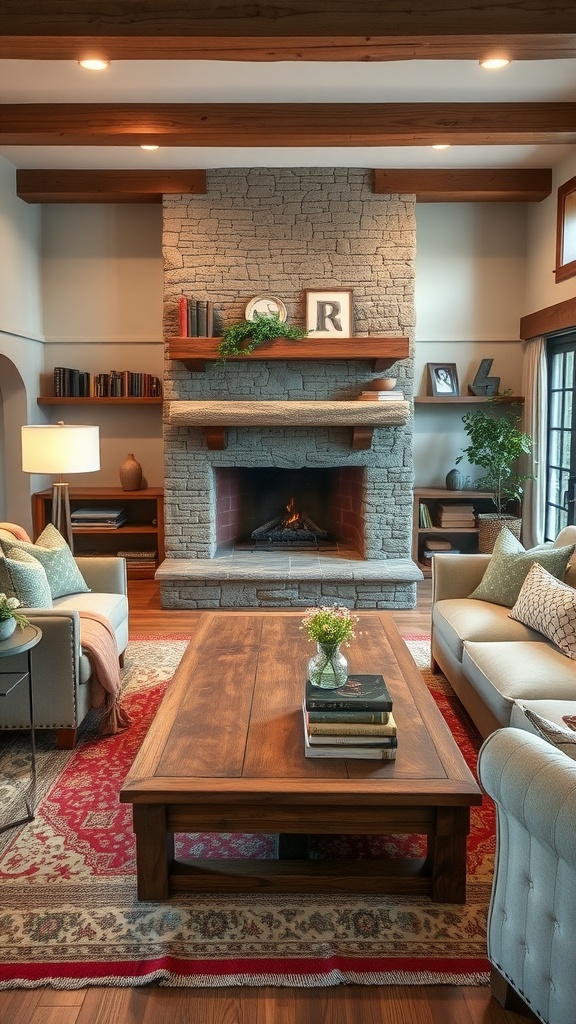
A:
<point x="433" y="185"/>
<point x="553" y="46"/>
<point x="286" y="124"/>
<point x="530" y="185"/>
<point x="103" y="186"/>
<point x="308" y="30"/>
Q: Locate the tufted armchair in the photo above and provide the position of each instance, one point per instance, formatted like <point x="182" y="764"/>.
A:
<point x="532" y="914"/>
<point x="62" y="671"/>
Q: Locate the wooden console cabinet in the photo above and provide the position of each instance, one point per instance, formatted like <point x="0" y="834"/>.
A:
<point x="143" y="531"/>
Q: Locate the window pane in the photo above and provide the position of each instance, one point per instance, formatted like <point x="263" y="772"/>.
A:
<point x="566" y="448"/>
<point x="556" y="374"/>
<point x="556" y="408"/>
<point x="555" y="447"/>
<point x="568" y="410"/>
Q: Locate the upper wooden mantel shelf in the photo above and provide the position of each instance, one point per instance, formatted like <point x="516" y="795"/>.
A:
<point x="381" y="352"/>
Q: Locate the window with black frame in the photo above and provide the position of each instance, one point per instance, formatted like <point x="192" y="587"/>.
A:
<point x="561" y="462"/>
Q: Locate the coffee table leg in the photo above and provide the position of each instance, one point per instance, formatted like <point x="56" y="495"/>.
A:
<point x="447" y="854"/>
<point x="292" y="846"/>
<point x="154" y="851"/>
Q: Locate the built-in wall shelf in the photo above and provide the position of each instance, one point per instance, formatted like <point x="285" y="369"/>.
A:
<point x="468" y="399"/>
<point x="52" y="400"/>
<point x="381" y="352"/>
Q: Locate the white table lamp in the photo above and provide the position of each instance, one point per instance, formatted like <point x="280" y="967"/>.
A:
<point x="60" y="449"/>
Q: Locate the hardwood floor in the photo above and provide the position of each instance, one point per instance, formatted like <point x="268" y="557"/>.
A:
<point x="340" y="1005"/>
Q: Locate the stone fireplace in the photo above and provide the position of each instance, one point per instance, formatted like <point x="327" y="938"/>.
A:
<point x="288" y="428"/>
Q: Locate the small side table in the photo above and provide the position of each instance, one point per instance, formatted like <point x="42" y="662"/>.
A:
<point x="22" y="640"/>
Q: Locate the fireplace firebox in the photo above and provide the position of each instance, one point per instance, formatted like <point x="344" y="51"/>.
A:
<point x="271" y="508"/>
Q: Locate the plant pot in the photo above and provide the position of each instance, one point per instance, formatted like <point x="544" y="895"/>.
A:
<point x="489" y="526"/>
<point x="7" y="627"/>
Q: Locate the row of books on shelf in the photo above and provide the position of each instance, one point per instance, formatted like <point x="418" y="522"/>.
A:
<point x="196" y="317"/>
<point x="456" y="516"/>
<point x="72" y="383"/>
<point x="354" y="721"/>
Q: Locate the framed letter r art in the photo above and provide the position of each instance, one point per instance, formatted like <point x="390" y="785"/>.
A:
<point x="329" y="313"/>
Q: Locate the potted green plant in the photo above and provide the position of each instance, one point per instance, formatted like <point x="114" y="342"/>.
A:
<point x="241" y="339"/>
<point x="497" y="442"/>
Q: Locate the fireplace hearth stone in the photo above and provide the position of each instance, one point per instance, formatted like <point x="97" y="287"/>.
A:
<point x="243" y="579"/>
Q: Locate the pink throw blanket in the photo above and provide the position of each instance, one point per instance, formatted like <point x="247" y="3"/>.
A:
<point x="99" y="642"/>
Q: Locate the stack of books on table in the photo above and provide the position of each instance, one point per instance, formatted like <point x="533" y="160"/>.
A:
<point x="454" y="516"/>
<point x="98" y="518"/>
<point x="354" y="721"/>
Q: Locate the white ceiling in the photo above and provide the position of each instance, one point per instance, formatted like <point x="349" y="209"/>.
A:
<point x="162" y="81"/>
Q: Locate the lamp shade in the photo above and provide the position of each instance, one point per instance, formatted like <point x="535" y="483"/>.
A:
<point x="60" y="448"/>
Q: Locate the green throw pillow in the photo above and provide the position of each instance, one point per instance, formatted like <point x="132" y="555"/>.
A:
<point x="53" y="553"/>
<point x="510" y="565"/>
<point x="22" y="576"/>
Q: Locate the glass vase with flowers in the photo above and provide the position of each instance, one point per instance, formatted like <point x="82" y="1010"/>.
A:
<point x="330" y="627"/>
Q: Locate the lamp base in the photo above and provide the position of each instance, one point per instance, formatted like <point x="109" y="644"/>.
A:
<point x="61" y="512"/>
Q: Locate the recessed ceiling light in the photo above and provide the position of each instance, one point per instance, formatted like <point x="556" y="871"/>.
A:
<point x="94" y="64"/>
<point x="491" y="63"/>
<point x="441" y="145"/>
<point x="149" y="147"/>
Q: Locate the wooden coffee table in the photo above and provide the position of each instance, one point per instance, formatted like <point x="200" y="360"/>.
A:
<point x="225" y="753"/>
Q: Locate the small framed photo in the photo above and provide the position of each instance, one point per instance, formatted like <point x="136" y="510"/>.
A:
<point x="329" y="313"/>
<point x="443" y="380"/>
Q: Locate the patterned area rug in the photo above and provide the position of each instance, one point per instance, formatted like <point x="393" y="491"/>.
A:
<point x="69" y="915"/>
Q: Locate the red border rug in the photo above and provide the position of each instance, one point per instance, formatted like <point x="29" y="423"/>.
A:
<point x="70" y="917"/>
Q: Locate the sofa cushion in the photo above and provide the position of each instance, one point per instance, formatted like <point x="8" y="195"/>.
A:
<point x="559" y="736"/>
<point x="546" y="604"/>
<point x="511" y="563"/>
<point x="554" y="711"/>
<point x="52" y="551"/>
<point x="22" y="576"/>
<point x="460" y="619"/>
<point x="502" y="673"/>
<point x="113" y="607"/>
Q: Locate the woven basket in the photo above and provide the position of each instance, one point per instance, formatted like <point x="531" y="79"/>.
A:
<point x="489" y="527"/>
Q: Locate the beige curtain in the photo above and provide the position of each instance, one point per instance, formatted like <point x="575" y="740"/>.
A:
<point x="535" y="391"/>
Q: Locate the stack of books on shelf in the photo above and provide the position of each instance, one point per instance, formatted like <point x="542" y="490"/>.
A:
<point x="98" y="518"/>
<point x="196" y="317"/>
<point x="433" y="545"/>
<point x="138" y="559"/>
<point x="71" y="383"/>
<point x="455" y="516"/>
<point x="381" y="396"/>
<point x="354" y="721"/>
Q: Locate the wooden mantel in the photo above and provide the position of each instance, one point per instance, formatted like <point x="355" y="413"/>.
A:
<point x="381" y="352"/>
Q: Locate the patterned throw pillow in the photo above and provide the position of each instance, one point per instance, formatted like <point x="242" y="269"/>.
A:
<point x="563" y="739"/>
<point x="22" y="576"/>
<point x="549" y="606"/>
<point x="52" y="551"/>
<point x="510" y="565"/>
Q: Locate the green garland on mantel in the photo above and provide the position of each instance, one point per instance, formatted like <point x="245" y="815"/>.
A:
<point x="241" y="339"/>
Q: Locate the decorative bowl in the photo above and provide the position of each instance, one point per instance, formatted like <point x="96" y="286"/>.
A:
<point x="382" y="384"/>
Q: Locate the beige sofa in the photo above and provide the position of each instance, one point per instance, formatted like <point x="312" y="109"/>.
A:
<point x="495" y="664"/>
<point x="62" y="673"/>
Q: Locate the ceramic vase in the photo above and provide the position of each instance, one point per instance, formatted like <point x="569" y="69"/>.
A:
<point x="7" y="627"/>
<point x="130" y="474"/>
<point x="454" y="480"/>
<point x="328" y="668"/>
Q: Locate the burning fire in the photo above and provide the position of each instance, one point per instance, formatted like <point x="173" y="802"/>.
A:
<point x="293" y="517"/>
